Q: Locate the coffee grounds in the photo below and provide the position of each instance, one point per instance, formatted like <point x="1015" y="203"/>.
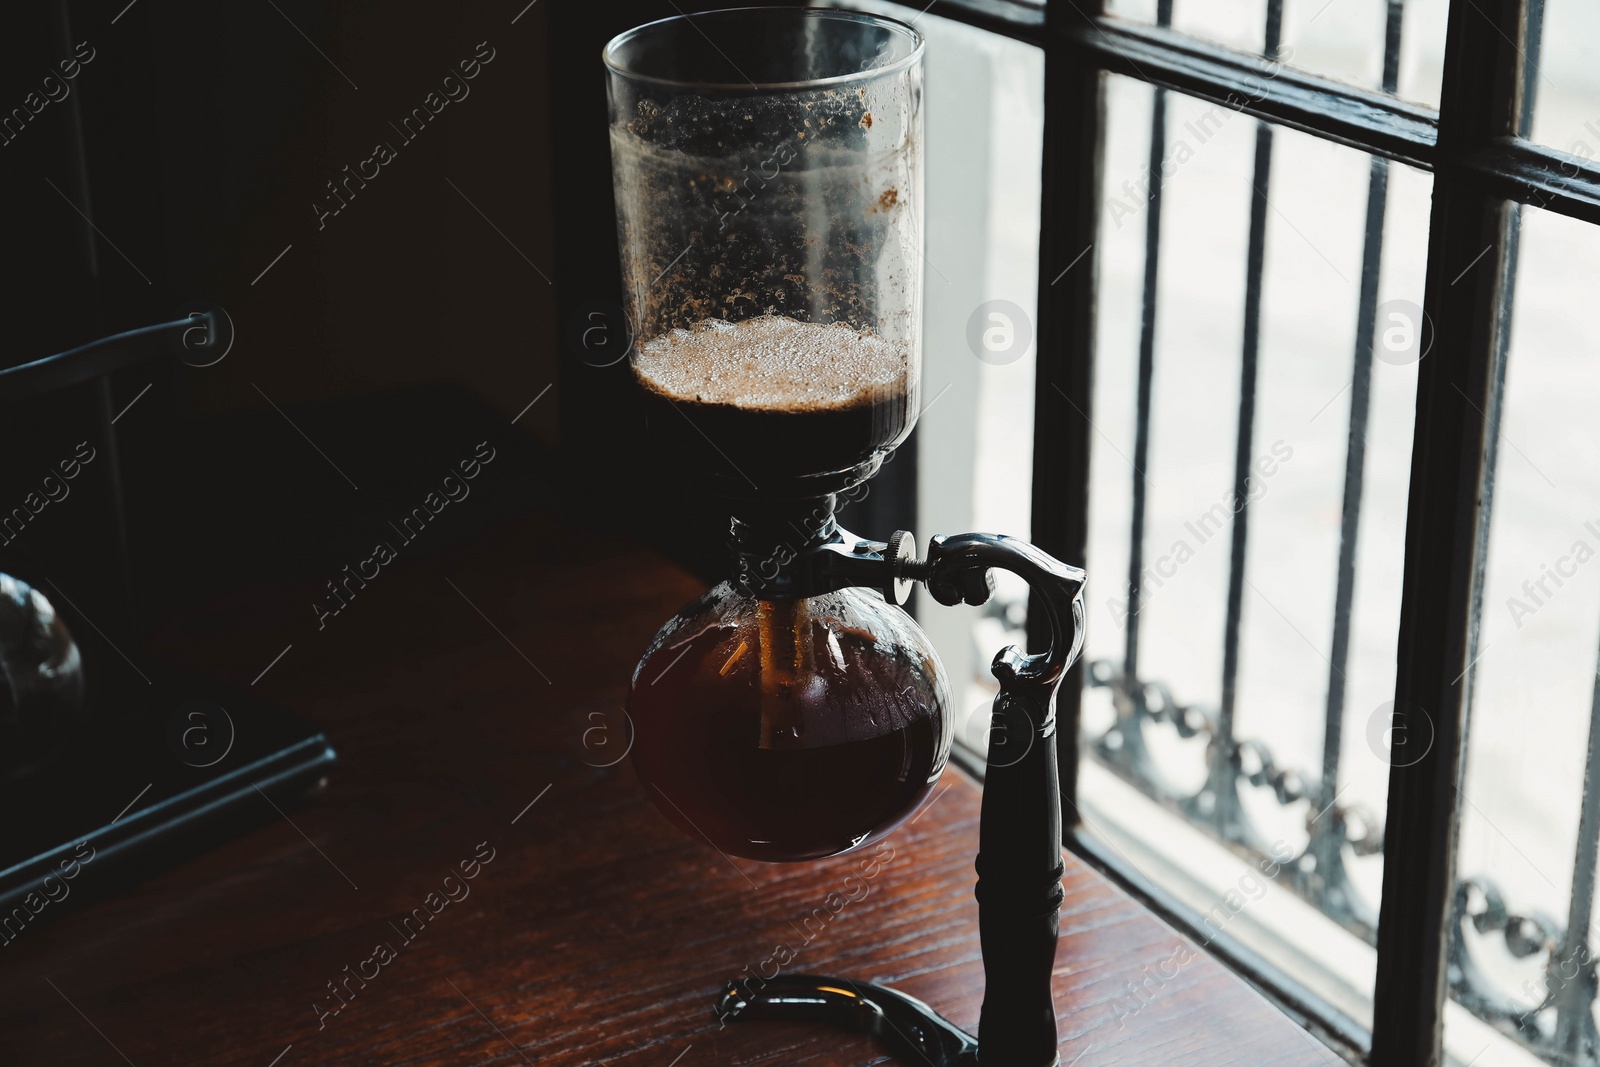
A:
<point x="772" y="363"/>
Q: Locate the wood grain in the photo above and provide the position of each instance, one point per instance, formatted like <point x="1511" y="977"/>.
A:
<point x="460" y="690"/>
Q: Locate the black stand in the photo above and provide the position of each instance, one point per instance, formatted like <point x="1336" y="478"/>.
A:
<point x="156" y="773"/>
<point x="1019" y="854"/>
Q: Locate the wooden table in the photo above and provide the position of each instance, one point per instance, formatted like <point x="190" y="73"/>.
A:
<point x="474" y="698"/>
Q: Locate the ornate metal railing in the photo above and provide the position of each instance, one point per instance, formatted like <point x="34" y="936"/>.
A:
<point x="1318" y="873"/>
<point x="1556" y="1022"/>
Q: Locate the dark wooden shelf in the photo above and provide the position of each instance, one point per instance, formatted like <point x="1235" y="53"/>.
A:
<point x="597" y="933"/>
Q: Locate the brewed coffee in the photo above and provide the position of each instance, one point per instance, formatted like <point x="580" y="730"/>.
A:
<point x="789" y="730"/>
<point x="774" y="398"/>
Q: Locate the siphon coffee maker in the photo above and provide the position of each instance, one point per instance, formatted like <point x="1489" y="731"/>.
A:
<point x="768" y="175"/>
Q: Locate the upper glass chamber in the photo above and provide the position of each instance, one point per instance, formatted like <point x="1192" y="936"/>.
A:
<point x="768" y="174"/>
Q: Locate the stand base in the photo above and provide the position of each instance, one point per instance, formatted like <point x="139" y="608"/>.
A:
<point x="907" y="1025"/>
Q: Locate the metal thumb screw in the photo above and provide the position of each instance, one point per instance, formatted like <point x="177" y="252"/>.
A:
<point x="903" y="567"/>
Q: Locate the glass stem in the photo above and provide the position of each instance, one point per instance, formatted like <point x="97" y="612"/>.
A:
<point x="784" y="630"/>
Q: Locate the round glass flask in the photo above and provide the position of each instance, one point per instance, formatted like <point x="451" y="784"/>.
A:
<point x="789" y="730"/>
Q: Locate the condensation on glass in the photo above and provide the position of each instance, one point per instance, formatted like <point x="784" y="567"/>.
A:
<point x="768" y="174"/>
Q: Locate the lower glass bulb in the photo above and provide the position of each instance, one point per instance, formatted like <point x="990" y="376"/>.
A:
<point x="789" y="730"/>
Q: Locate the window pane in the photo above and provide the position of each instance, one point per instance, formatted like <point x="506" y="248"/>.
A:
<point x="985" y="143"/>
<point x="1533" y="685"/>
<point x="1566" y="92"/>
<point x="1236" y="23"/>
<point x="1146" y="788"/>
<point x="1349" y="40"/>
<point x="1341" y="39"/>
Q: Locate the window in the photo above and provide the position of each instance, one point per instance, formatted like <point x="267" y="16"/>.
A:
<point x="984" y="139"/>
<point x="1311" y="394"/>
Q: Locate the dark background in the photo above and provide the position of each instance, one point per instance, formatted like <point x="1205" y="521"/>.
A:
<point x="397" y="336"/>
<point x="385" y="343"/>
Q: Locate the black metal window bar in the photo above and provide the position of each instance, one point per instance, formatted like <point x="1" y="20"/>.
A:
<point x="1484" y="171"/>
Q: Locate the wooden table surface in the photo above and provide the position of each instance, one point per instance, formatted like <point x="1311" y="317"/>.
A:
<point x="474" y="699"/>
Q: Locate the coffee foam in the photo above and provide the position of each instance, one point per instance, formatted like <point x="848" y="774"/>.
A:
<point x="773" y="363"/>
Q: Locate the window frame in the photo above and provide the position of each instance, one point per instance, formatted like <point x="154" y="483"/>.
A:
<point x="1482" y="167"/>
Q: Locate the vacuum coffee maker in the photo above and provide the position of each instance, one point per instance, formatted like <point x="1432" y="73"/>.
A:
<point x="768" y="176"/>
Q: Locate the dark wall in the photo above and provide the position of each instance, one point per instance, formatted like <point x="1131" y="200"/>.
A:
<point x="200" y="139"/>
<point x="211" y="132"/>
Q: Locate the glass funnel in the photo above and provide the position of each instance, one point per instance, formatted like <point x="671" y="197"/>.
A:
<point x="768" y="175"/>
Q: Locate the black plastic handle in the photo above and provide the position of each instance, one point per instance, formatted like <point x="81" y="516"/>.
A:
<point x="1019" y="852"/>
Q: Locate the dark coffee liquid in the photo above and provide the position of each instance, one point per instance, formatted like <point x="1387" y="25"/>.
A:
<point x="833" y="759"/>
<point x="773" y="399"/>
